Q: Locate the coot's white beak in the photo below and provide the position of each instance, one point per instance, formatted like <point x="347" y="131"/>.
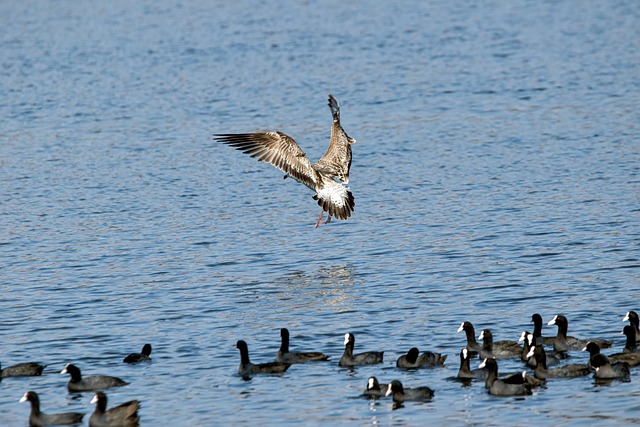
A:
<point x="24" y="398"/>
<point x="389" y="392"/>
<point x="95" y="399"/>
<point x="461" y="328"/>
<point x="553" y="321"/>
<point x="531" y="351"/>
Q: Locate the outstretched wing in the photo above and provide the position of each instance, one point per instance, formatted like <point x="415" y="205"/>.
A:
<point x="276" y="148"/>
<point x="336" y="162"/>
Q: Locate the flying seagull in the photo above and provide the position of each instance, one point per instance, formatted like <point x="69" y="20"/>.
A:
<point x="285" y="154"/>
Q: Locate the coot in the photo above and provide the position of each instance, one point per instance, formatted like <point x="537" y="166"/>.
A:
<point x="498" y="387"/>
<point x="564" y="343"/>
<point x="413" y="359"/>
<point x="143" y="356"/>
<point x="38" y="418"/>
<point x="605" y="369"/>
<point x="472" y="345"/>
<point x="349" y="359"/>
<point x="401" y="394"/>
<point x="567" y="371"/>
<point x="124" y="415"/>
<point x="537" y="331"/>
<point x="499" y="349"/>
<point x="285" y="356"/>
<point x="465" y="372"/>
<point x="247" y="368"/>
<point x="374" y="388"/>
<point x="96" y="382"/>
<point x="28" y="369"/>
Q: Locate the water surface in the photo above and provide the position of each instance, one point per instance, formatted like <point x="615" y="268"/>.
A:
<point x="496" y="174"/>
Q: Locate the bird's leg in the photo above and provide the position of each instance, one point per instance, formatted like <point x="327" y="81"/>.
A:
<point x="328" y="219"/>
<point x="319" y="219"/>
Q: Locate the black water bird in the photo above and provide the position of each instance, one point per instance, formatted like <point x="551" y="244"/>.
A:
<point x="92" y="383"/>
<point x="472" y="345"/>
<point x="349" y="359"/>
<point x="631" y="359"/>
<point x="124" y="415"/>
<point x="605" y="369"/>
<point x="465" y="372"/>
<point x="28" y="369"/>
<point x="537" y="331"/>
<point x="564" y="343"/>
<point x="542" y="371"/>
<point x="143" y="356"/>
<point x="413" y="359"/>
<point x="37" y="418"/>
<point x="247" y="368"/>
<point x="374" y="388"/>
<point x="285" y="154"/>
<point x="401" y="394"/>
<point x="499" y="349"/>
<point x="285" y="356"/>
<point x="514" y="386"/>
<point x="553" y="357"/>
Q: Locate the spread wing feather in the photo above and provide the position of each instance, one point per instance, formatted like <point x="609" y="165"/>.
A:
<point x="278" y="149"/>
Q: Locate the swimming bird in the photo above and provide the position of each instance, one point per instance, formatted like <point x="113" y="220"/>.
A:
<point x="514" y="386"/>
<point x="472" y="345"/>
<point x="38" y="418"/>
<point x="247" y="368"/>
<point x="374" y="388"/>
<point x="634" y="321"/>
<point x="143" y="356"/>
<point x="631" y="359"/>
<point x="349" y="359"/>
<point x="285" y="154"/>
<point x="607" y="370"/>
<point x="526" y="346"/>
<point x="553" y="357"/>
<point x="413" y="359"/>
<point x="401" y="394"/>
<point x="285" y="356"/>
<point x="499" y="349"/>
<point x="541" y="370"/>
<point x="28" y="369"/>
<point x="537" y="331"/>
<point x="564" y="343"/>
<point x="124" y="415"/>
<point x="465" y="372"/>
<point x="96" y="382"/>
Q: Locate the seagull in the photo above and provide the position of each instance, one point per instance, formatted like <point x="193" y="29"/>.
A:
<point x="285" y="154"/>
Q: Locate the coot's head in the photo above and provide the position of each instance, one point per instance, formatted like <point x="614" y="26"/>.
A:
<point x="592" y="348"/>
<point x="395" y="386"/>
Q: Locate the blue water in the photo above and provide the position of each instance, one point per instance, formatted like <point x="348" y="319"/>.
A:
<point x="496" y="174"/>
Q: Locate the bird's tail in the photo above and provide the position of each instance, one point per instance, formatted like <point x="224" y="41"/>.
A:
<point x="336" y="200"/>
